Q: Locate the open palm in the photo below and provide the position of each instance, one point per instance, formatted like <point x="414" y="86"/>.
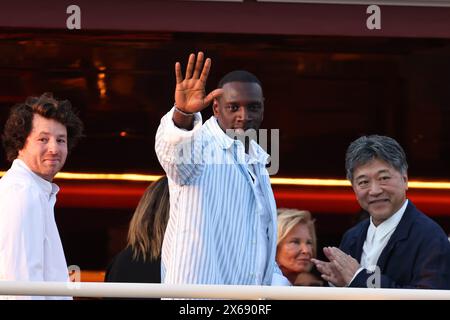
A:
<point x="190" y="93"/>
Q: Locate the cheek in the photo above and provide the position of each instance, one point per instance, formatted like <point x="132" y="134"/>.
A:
<point x="361" y="195"/>
<point x="291" y="253"/>
<point x="284" y="254"/>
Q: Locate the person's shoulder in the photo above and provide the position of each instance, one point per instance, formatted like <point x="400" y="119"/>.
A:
<point x="17" y="183"/>
<point x="18" y="190"/>
<point x="426" y="225"/>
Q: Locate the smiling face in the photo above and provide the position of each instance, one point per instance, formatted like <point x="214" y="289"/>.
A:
<point x="295" y="251"/>
<point x="380" y="189"/>
<point x="241" y="107"/>
<point x="45" y="149"/>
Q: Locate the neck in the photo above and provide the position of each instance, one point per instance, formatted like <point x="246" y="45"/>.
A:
<point x="291" y="276"/>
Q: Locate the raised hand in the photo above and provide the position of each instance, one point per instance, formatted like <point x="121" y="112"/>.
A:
<point x="190" y="96"/>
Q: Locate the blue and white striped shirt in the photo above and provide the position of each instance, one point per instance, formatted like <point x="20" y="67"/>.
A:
<point x="212" y="233"/>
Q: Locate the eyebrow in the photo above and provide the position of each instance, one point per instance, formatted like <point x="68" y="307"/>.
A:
<point x="365" y="176"/>
<point x="238" y="101"/>
<point x="48" y="133"/>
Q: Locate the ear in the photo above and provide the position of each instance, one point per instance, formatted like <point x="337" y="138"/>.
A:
<point x="405" y="179"/>
<point x="215" y="107"/>
<point x="353" y="186"/>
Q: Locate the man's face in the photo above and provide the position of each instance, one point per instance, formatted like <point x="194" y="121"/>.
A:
<point x="45" y="149"/>
<point x="380" y="189"/>
<point x="241" y="106"/>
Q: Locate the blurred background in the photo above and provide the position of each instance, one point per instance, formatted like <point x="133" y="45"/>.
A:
<point x="327" y="79"/>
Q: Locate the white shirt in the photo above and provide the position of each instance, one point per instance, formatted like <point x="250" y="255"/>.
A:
<point x="30" y="246"/>
<point x="263" y="214"/>
<point x="377" y="238"/>
<point x="215" y="233"/>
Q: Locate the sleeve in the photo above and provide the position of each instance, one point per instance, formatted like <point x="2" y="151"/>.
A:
<point x="180" y="151"/>
<point x="21" y="235"/>
<point x="278" y="279"/>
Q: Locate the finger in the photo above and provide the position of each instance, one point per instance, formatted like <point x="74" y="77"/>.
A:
<point x="198" y="65"/>
<point x="190" y="66"/>
<point x="326" y="278"/>
<point x="213" y="95"/>
<point x="178" y="75"/>
<point x="319" y="266"/>
<point x="323" y="267"/>
<point x="338" y="266"/>
<point x="339" y="254"/>
<point x="205" y="71"/>
<point x="328" y="253"/>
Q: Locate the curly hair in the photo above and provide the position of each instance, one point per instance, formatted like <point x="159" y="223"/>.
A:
<point x="19" y="123"/>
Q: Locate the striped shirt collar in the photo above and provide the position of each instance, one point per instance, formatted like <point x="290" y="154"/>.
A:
<point x="256" y="153"/>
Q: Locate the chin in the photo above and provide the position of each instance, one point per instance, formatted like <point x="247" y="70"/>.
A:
<point x="381" y="216"/>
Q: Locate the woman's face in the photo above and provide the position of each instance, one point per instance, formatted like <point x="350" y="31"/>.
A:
<point x="295" y="251"/>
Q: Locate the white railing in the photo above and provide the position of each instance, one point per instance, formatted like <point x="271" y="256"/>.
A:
<point x="152" y="290"/>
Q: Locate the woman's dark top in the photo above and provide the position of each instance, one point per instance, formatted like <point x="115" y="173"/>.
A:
<point x="123" y="268"/>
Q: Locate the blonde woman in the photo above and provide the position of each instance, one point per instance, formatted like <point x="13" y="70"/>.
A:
<point x="296" y="245"/>
<point x="140" y="261"/>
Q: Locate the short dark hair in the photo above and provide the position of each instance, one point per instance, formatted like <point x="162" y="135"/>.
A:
<point x="239" y="76"/>
<point x="19" y="123"/>
<point x="367" y="148"/>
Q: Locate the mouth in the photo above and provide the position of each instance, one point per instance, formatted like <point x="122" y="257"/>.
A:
<point x="379" y="201"/>
<point x="52" y="161"/>
<point x="239" y="130"/>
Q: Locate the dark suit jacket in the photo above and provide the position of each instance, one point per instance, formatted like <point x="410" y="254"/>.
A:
<point x="416" y="256"/>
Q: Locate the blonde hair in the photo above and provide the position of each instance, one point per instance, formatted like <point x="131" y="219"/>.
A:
<point x="289" y="218"/>
<point x="149" y="221"/>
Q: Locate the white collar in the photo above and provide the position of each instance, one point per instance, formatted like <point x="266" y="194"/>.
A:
<point x="389" y="224"/>
<point x="46" y="186"/>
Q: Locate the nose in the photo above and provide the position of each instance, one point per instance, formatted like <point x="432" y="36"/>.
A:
<point x="243" y="113"/>
<point x="375" y="189"/>
<point x="305" y="249"/>
<point x="52" y="146"/>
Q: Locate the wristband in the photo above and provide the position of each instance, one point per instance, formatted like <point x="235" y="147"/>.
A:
<point x="182" y="112"/>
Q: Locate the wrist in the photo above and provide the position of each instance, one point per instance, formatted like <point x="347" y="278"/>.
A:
<point x="187" y="114"/>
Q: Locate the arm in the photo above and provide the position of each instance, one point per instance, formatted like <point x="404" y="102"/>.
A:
<point x="22" y="235"/>
<point x="179" y="142"/>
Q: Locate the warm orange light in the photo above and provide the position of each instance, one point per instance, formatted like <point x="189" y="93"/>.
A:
<point x="274" y="181"/>
<point x="310" y="182"/>
<point x="123" y="133"/>
<point x="101" y="84"/>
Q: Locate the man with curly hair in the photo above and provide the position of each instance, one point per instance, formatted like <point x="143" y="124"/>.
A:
<point x="37" y="138"/>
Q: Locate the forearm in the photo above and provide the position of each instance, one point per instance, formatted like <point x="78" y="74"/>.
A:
<point x="175" y="148"/>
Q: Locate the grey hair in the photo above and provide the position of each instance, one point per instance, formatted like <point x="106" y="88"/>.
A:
<point x="367" y="148"/>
